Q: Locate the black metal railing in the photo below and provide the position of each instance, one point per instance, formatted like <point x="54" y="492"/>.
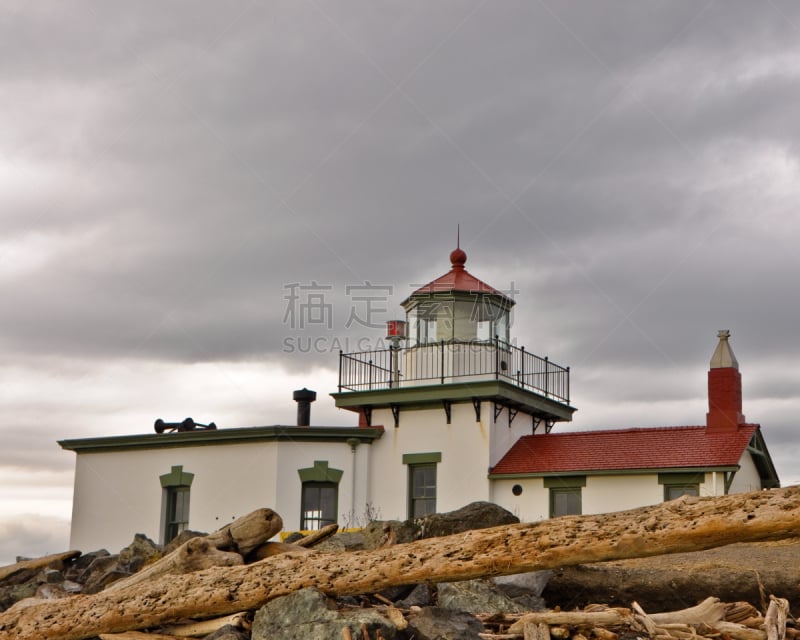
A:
<point x="452" y="361"/>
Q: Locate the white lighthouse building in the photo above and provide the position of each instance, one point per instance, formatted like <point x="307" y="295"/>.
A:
<point x="453" y="397"/>
<point x="451" y="413"/>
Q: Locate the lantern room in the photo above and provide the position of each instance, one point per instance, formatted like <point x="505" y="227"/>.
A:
<point x="457" y="307"/>
<point x="454" y="347"/>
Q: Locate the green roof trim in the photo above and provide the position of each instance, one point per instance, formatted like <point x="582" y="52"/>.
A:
<point x="564" y="482"/>
<point x="422" y="458"/>
<point x="177" y="478"/>
<point x="320" y="472"/>
<point x="239" y="435"/>
<point x="612" y="472"/>
<point x="416" y="397"/>
<point x="681" y="478"/>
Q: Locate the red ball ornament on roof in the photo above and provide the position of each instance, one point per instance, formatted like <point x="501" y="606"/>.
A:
<point x="458" y="258"/>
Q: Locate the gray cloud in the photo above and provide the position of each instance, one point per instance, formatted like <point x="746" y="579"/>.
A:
<point x="167" y="174"/>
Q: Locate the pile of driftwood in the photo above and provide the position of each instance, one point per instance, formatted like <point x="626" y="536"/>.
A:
<point x="236" y="570"/>
<point x="711" y="620"/>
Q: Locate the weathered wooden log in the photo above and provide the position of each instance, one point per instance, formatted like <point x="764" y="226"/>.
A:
<point x="775" y="618"/>
<point x="136" y="635"/>
<point x="193" y="555"/>
<point x="248" y="532"/>
<point x="203" y="628"/>
<point x="315" y="537"/>
<point x="687" y="524"/>
<point x="607" y="618"/>
<point x="269" y="549"/>
<point x="536" y="631"/>
<point x="709" y="611"/>
<point x="34" y="564"/>
<point x="222" y="548"/>
<point x="739" y="632"/>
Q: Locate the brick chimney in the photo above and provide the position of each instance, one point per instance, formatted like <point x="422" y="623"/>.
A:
<point x="724" y="388"/>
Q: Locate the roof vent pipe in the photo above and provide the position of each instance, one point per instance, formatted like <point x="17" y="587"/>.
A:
<point x="304" y="397"/>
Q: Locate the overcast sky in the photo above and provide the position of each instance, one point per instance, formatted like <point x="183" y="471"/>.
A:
<point x="182" y="183"/>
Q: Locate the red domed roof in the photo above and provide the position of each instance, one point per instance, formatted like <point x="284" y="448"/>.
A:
<point x="458" y="279"/>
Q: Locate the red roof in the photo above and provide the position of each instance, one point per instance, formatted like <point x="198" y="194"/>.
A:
<point x="625" y="449"/>
<point x="458" y="279"/>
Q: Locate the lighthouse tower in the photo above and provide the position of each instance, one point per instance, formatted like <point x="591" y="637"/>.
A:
<point x="453" y="393"/>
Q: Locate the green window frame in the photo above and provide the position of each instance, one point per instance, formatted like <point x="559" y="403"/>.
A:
<point x="680" y="484"/>
<point x="565" y="495"/>
<point x="422" y="482"/>
<point x="175" y="494"/>
<point x="319" y="505"/>
<point x="319" y="495"/>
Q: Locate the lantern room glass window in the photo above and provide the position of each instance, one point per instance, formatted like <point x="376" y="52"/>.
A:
<point x="464" y="320"/>
<point x="424" y="322"/>
<point x="491" y="322"/>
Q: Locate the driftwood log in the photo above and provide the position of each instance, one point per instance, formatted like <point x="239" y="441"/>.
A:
<point x="36" y="563"/>
<point x="223" y="548"/>
<point x="315" y="537"/>
<point x="707" y="620"/>
<point x="687" y="524"/>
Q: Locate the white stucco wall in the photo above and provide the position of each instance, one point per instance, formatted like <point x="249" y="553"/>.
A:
<point x="531" y="505"/>
<point x="293" y="456"/>
<point x="602" y="493"/>
<point x="118" y="493"/>
<point x="746" y="478"/>
<point x="617" y="493"/>
<point x="462" y="472"/>
<point x="504" y="435"/>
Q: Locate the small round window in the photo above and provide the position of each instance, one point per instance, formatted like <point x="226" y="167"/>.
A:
<point x="516" y="489"/>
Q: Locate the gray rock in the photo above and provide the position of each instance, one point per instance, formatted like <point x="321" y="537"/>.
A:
<point x="309" y="615"/>
<point x="476" y="515"/>
<point x="52" y="576"/>
<point x="76" y="569"/>
<point x="420" y="596"/>
<point x="101" y="572"/>
<point x="532" y="582"/>
<point x="476" y="596"/>
<point x="435" y="623"/>
<point x="177" y="541"/>
<point x="380" y="532"/>
<point x="71" y="587"/>
<point x="345" y="541"/>
<point x="525" y="588"/>
<point x="228" y="632"/>
<point x="140" y="552"/>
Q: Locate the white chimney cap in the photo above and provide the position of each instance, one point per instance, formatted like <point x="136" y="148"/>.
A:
<point x="723" y="357"/>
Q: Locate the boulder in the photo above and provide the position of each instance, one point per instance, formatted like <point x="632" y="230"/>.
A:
<point x="137" y="554"/>
<point x="435" y="623"/>
<point x="344" y="541"/>
<point x="476" y="596"/>
<point x="420" y="596"/>
<point x="525" y="588"/>
<point x="476" y="515"/>
<point x="228" y="632"/>
<point x="309" y="615"/>
<point x="732" y="573"/>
